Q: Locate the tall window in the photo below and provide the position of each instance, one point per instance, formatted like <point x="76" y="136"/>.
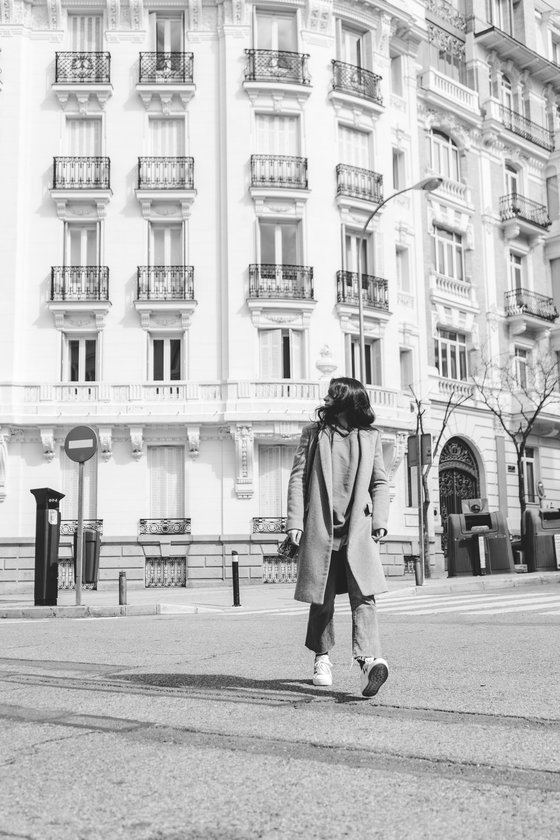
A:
<point x="354" y="147"/>
<point x="81" y="361"/>
<point x="512" y="180"/>
<point x="529" y="463"/>
<point x="500" y="14"/>
<point x="398" y="169"/>
<point x="276" y="31"/>
<point x="397" y="86"/>
<point x="277" y="135"/>
<point x="166" y="359"/>
<point x="352" y="45"/>
<point x="280" y="243"/>
<point x="406" y="368"/>
<point x="372" y="360"/>
<point x="281" y="354"/>
<point x="555" y="52"/>
<point x="352" y="243"/>
<point x="275" y="464"/>
<point x="403" y="269"/>
<point x="444" y="155"/>
<point x="555" y="280"/>
<point x="83" y="136"/>
<point x="447" y="54"/>
<point x="552" y="198"/>
<point x="82" y="245"/>
<point x="521" y="360"/>
<point x="166" y="244"/>
<point x="451" y="355"/>
<point x="166" y="30"/>
<point x="516" y="271"/>
<point x="85" y="33"/>
<point x="167" y="137"/>
<point x="167" y="481"/>
<point x="448" y="253"/>
<point x="507" y="94"/>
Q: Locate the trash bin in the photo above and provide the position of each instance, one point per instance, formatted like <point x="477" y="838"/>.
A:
<point x="540" y="529"/>
<point x="90" y="555"/>
<point x="478" y="544"/>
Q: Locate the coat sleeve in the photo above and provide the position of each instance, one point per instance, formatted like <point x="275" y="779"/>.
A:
<point x="296" y="489"/>
<point x="379" y="488"/>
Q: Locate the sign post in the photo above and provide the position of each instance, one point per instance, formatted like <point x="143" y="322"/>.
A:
<point x="420" y="455"/>
<point x="80" y="445"/>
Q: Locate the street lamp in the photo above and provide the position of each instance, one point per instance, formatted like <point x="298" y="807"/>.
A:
<point x="428" y="185"/>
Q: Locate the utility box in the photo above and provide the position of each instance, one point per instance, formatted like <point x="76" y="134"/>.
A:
<point x="540" y="528"/>
<point x="478" y="544"/>
<point x="47" y="537"/>
<point x="90" y="555"/>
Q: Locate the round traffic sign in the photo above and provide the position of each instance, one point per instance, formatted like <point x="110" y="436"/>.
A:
<point x="81" y="443"/>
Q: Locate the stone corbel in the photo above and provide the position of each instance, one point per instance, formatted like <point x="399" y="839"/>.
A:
<point x="113" y="14"/>
<point x="47" y="440"/>
<point x="243" y="437"/>
<point x="4" y="437"/>
<point x="105" y="435"/>
<point x="137" y="441"/>
<point x="193" y="437"/>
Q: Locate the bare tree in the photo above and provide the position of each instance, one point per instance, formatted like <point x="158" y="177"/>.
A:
<point x="517" y="398"/>
<point x="451" y="405"/>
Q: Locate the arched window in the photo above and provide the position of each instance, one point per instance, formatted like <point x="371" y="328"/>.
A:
<point x="444" y="155"/>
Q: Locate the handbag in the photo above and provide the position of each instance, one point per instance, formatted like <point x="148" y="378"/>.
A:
<point x="288" y="550"/>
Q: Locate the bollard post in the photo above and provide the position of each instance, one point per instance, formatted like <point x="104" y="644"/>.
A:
<point x="419" y="571"/>
<point x="235" y="578"/>
<point x="122" y="589"/>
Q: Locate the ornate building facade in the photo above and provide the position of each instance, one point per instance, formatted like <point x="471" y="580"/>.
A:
<point x="185" y="185"/>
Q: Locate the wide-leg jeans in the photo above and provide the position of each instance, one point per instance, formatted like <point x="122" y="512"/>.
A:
<point x="365" y="631"/>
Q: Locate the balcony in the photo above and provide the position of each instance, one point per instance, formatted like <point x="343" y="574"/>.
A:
<point x="520" y="215"/>
<point x="81" y="173"/>
<point x="529" y="312"/>
<point x="272" y="66"/>
<point x="166" y="173"/>
<point x="497" y="117"/>
<point x="166" y="78"/>
<point x="285" y="282"/>
<point x="278" y="172"/>
<point x="83" y="75"/>
<point x="353" y="81"/>
<point x="364" y="184"/>
<point x="268" y="524"/>
<point x="451" y="94"/>
<point x="79" y="289"/>
<point x="452" y="291"/>
<point x="375" y="294"/>
<point x="524" y="59"/>
<point x="167" y="289"/>
<point x="168" y="525"/>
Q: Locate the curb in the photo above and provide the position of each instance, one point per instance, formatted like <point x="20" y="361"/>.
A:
<point x="486" y="584"/>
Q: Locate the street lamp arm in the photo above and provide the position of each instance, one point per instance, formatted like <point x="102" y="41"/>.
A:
<point x="382" y="203"/>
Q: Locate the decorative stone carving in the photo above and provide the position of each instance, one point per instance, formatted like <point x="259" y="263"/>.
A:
<point x="47" y="440"/>
<point x="137" y="441"/>
<point x="113" y="14"/>
<point x="136" y="14"/>
<point x="243" y="437"/>
<point x="4" y="437"/>
<point x="193" y="437"/>
<point x="318" y="16"/>
<point x="194" y="14"/>
<point x="54" y="13"/>
<point x="105" y="435"/>
<point x="398" y="448"/>
<point x="326" y="363"/>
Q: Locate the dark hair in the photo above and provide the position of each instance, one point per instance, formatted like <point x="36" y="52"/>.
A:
<point x="349" y="396"/>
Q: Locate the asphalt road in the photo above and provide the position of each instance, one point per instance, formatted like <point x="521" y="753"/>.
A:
<point x="208" y="726"/>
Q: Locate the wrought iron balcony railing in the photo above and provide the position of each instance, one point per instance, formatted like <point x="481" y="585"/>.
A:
<point x="374" y="290"/>
<point x="68" y="527"/>
<point x="269" y="524"/>
<point x="277" y="66"/>
<point x="290" y="282"/>
<point x="166" y="68"/>
<point x="81" y="173"/>
<point x="351" y="79"/>
<point x="515" y="206"/>
<point x="359" y="183"/>
<point x="165" y="282"/>
<point x="166" y="173"/>
<point x="83" y="68"/>
<point x="168" y="525"/>
<point x="79" y="282"/>
<point x="520" y="125"/>
<point x="525" y="302"/>
<point x="279" y="171"/>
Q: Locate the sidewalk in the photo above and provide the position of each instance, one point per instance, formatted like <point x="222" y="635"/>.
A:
<point x="253" y="597"/>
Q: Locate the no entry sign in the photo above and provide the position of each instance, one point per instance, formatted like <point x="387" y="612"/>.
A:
<point x="81" y="444"/>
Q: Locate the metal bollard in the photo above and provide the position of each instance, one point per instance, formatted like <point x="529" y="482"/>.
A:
<point x="122" y="589"/>
<point x="418" y="571"/>
<point x="235" y="578"/>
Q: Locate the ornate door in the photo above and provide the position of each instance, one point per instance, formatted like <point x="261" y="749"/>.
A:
<point x="458" y="480"/>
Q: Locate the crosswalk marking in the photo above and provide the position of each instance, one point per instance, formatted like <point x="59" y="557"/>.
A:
<point x="472" y="606"/>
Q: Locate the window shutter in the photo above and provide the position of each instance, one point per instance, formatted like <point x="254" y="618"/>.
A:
<point x="271" y="354"/>
<point x="165" y="465"/>
<point x="296" y="344"/>
<point x="167" y="137"/>
<point x="85" y="33"/>
<point x="84" y="137"/>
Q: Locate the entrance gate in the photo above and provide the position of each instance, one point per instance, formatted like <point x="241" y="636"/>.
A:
<point x="458" y="480"/>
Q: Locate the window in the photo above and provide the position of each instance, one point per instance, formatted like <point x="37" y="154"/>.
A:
<point x="83" y="136"/>
<point x="407" y="369"/>
<point x="507" y="93"/>
<point x="448" y="253"/>
<point x="354" y="147"/>
<point x="352" y="242"/>
<point x="444" y="155"/>
<point x="275" y="464"/>
<point x="403" y="273"/>
<point x="372" y="360"/>
<point x="277" y="135"/>
<point x="500" y="14"/>
<point x="512" y="180"/>
<point x="82" y="245"/>
<point x="276" y="31"/>
<point x="281" y="354"/>
<point x="555" y="280"/>
<point x="166" y="244"/>
<point x="397" y="75"/>
<point x="516" y="271"/>
<point x="167" y="482"/>
<point x="81" y="359"/>
<point x="447" y="54"/>
<point x="552" y="199"/>
<point x="352" y="45"/>
<point x="166" y="359"/>
<point x="398" y="170"/>
<point x="521" y="366"/>
<point x="279" y="243"/>
<point x="555" y="56"/>
<point x="167" y="137"/>
<point x="85" y="33"/>
<point x="451" y="355"/>
<point x="529" y="483"/>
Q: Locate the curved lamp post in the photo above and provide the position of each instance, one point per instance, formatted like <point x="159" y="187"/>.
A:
<point x="428" y="185"/>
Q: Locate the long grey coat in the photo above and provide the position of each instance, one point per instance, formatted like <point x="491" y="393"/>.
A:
<point x="312" y="513"/>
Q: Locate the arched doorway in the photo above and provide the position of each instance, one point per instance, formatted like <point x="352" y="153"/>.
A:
<point x="458" y="479"/>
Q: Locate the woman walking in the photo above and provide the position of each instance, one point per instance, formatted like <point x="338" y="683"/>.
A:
<point x="338" y="504"/>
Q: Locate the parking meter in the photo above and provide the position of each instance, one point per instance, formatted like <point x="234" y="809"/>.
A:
<point x="47" y="536"/>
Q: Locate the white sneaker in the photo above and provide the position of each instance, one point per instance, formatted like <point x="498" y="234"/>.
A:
<point x="322" y="673"/>
<point x="374" y="674"/>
